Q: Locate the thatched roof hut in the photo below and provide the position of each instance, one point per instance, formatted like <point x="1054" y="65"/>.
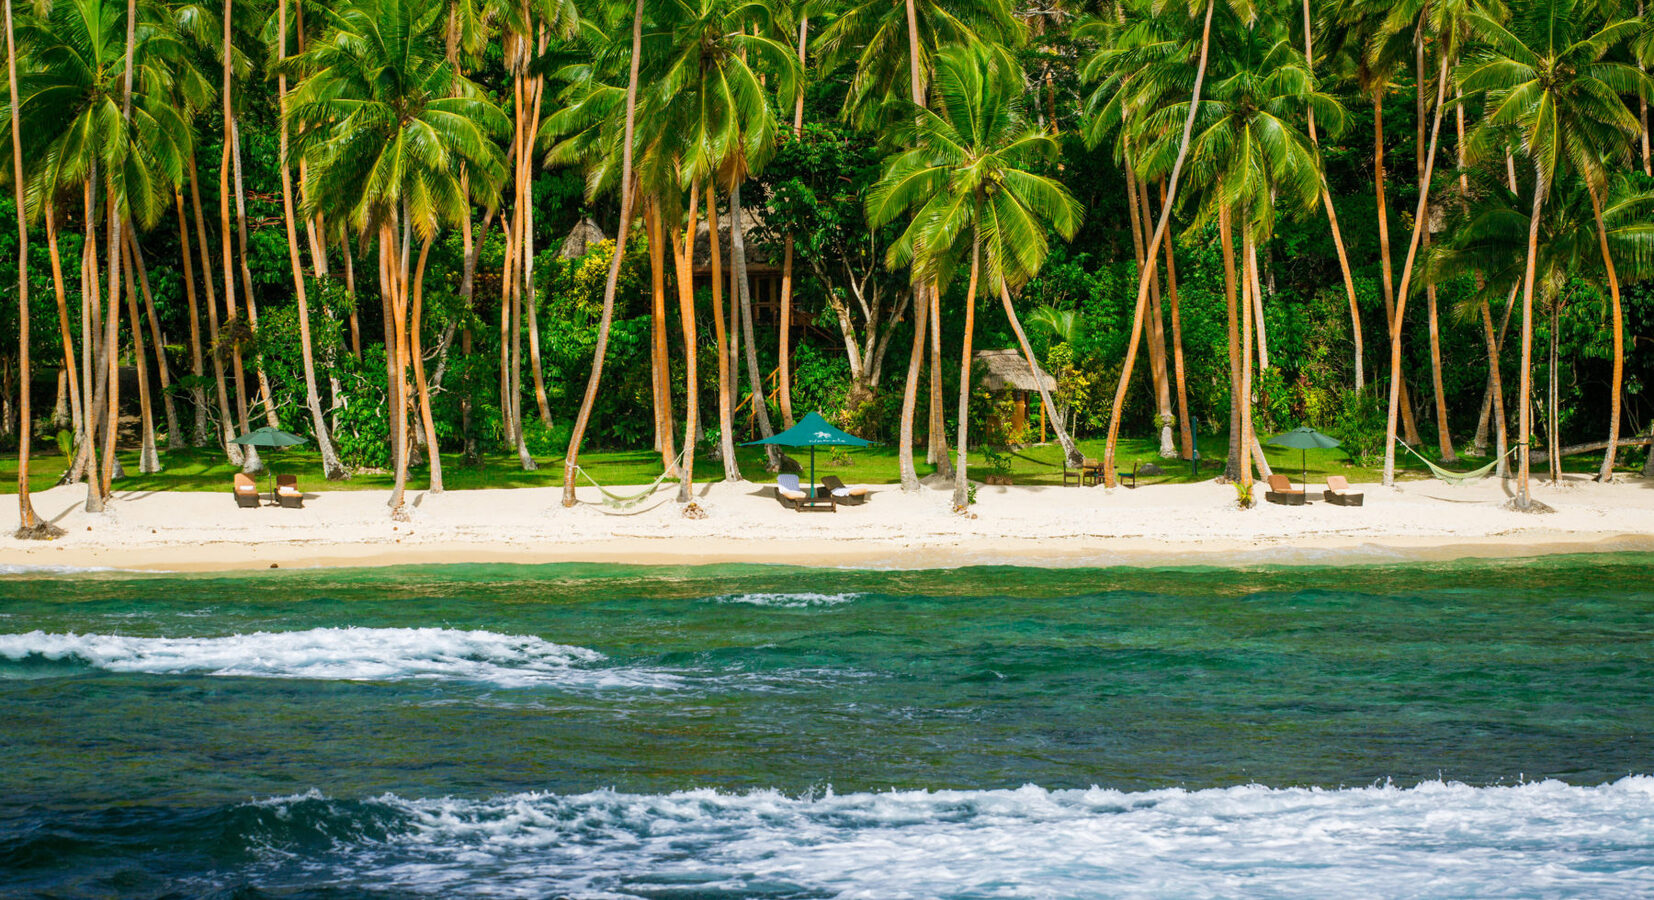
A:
<point x="1006" y="370"/>
<point x="582" y="237"/>
<point x="758" y="261"/>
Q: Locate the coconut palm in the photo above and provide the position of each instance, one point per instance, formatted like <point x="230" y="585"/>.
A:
<point x="30" y="525"/>
<point x="390" y="144"/>
<point x="102" y="124"/>
<point x="884" y="43"/>
<point x="1249" y="148"/>
<point x="312" y="401"/>
<point x="970" y="179"/>
<point x="1548" y="78"/>
<point x="1490" y="240"/>
<point x="624" y="176"/>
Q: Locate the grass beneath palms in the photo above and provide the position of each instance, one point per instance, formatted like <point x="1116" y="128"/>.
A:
<point x="208" y="470"/>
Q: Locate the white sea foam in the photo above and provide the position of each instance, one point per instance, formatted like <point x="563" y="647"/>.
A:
<point x="360" y="654"/>
<point x="1544" y="839"/>
<point x="797" y="600"/>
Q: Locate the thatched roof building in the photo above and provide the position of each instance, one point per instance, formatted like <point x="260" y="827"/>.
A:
<point x="582" y="237"/>
<point x="1006" y="370"/>
<point x="758" y="261"/>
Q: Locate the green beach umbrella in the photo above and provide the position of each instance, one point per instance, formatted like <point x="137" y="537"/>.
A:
<point x="269" y="438"/>
<point x="274" y="438"/>
<point x="813" y="431"/>
<point x="1303" y="438"/>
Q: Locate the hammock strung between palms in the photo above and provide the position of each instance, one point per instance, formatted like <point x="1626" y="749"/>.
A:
<point x="1459" y="478"/>
<point x="628" y="501"/>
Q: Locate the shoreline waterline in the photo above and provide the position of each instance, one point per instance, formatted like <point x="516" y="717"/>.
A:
<point x="840" y="553"/>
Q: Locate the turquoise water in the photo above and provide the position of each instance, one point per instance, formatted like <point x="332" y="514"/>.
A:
<point x="1466" y="729"/>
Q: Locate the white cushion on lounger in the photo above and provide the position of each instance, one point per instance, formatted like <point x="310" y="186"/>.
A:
<point x="791" y="495"/>
<point x="288" y="491"/>
<point x="850" y="492"/>
<point x="246" y="489"/>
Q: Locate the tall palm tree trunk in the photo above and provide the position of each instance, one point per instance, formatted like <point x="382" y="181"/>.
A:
<point x="416" y="352"/>
<point x="1233" y="463"/>
<point x="1386" y="269"/>
<point x="312" y="400"/>
<point x="245" y="268"/>
<point x="30" y="525"/>
<point x="1332" y="214"/>
<point x="396" y="331"/>
<point x="1153" y="249"/>
<point x="661" y="368"/>
<point x="937" y="453"/>
<point x="755" y="377"/>
<point x="149" y="462"/>
<point x="250" y="461"/>
<point x="910" y="392"/>
<point x="1157" y="346"/>
<point x="1606" y="471"/>
<point x="726" y="375"/>
<point x="1184" y="427"/>
<point x="571" y="459"/>
<point x="77" y="418"/>
<point x="1248" y="288"/>
<point x="226" y="421"/>
<point x="961" y="482"/>
<point x="784" y="352"/>
<point x="198" y="395"/>
<point x="683" y="253"/>
<point x="135" y="260"/>
<point x="114" y="247"/>
<point x="1421" y="224"/>
<point x="1444" y="439"/>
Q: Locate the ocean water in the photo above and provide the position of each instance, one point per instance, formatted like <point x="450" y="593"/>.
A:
<point x="1471" y="729"/>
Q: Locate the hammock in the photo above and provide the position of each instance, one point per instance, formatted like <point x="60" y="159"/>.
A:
<point x="627" y="501"/>
<point x="1457" y="479"/>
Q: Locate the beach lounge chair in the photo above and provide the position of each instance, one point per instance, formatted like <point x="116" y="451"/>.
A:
<point x="288" y="493"/>
<point x="1338" y="492"/>
<point x="1281" y="491"/>
<point x="795" y="496"/>
<point x="843" y="493"/>
<point x="246" y="491"/>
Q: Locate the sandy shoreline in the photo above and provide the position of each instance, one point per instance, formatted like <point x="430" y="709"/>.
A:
<point x="1194" y="524"/>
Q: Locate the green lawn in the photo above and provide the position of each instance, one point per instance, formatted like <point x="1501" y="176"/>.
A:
<point x="201" y="470"/>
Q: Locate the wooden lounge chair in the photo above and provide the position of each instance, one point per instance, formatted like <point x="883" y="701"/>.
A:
<point x="798" y="498"/>
<point x="1079" y="477"/>
<point x="246" y="491"/>
<point x="1129" y="479"/>
<point x="1338" y="492"/>
<point x="843" y="493"/>
<point x="1281" y="491"/>
<point x="288" y="493"/>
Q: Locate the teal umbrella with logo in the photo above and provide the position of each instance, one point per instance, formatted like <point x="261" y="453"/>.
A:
<point x="813" y="431"/>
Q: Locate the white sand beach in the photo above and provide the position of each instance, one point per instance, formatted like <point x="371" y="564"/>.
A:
<point x="1151" y="525"/>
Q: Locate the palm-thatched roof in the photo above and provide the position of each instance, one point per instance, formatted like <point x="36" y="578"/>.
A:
<point x="582" y="237"/>
<point x="751" y="222"/>
<point x="1006" y="370"/>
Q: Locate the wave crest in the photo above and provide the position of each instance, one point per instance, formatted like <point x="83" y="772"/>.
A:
<point x="354" y="654"/>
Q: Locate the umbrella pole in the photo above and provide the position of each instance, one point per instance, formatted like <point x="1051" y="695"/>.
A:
<point x="812" y="472"/>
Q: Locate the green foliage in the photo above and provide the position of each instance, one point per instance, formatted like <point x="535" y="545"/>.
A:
<point x="1359" y="423"/>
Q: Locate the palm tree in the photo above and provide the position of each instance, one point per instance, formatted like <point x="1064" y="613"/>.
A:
<point x="572" y="457"/>
<point x="1151" y="252"/>
<point x="30" y="525"/>
<point x="104" y="126"/>
<point x="886" y="42"/>
<point x="389" y="144"/>
<point x="1548" y="79"/>
<point x="1247" y="145"/>
<point x="970" y="179"/>
<point x="312" y="401"/>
